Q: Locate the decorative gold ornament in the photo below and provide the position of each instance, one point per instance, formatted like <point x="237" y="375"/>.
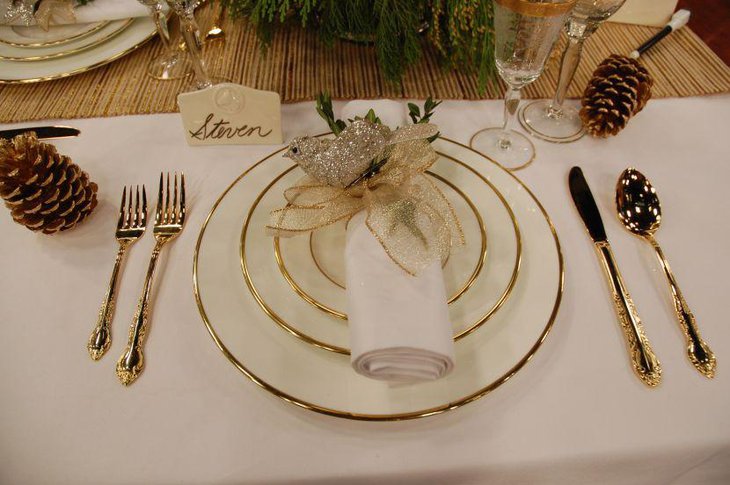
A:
<point x="45" y="191"/>
<point x="369" y="167"/>
<point x="619" y="88"/>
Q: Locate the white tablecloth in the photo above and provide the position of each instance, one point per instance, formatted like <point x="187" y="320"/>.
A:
<point x="574" y="414"/>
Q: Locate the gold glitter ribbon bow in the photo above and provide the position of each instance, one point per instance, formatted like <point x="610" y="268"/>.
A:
<point x="49" y="10"/>
<point x="406" y="211"/>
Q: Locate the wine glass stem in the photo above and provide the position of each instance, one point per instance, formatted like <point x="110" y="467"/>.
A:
<point x="568" y="66"/>
<point x="511" y="102"/>
<point x="161" y="22"/>
<point x="189" y="28"/>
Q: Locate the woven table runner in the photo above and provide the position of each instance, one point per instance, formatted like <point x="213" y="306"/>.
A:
<point x="298" y="67"/>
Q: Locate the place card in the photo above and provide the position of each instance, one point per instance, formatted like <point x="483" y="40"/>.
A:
<point x="231" y="114"/>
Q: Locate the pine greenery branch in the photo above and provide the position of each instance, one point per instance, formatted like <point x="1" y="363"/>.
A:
<point x="460" y="30"/>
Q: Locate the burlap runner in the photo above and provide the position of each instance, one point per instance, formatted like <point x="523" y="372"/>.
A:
<point x="298" y="67"/>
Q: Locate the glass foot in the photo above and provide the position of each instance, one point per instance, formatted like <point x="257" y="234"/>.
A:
<point x="166" y="68"/>
<point x="542" y="121"/>
<point x="214" y="79"/>
<point x="510" y="149"/>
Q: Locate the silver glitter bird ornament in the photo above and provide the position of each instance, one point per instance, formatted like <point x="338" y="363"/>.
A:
<point x="343" y="160"/>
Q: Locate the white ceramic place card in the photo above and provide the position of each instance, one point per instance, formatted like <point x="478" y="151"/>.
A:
<point x="231" y="114"/>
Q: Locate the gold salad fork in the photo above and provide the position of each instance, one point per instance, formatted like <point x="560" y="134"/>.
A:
<point x="130" y="227"/>
<point x="169" y="220"/>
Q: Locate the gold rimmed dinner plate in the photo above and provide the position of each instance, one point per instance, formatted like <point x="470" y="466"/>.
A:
<point x="479" y="281"/>
<point x="321" y="381"/>
<point x="139" y="31"/>
<point x="33" y="36"/>
<point x="23" y="54"/>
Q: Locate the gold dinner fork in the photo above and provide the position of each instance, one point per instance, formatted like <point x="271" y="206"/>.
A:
<point x="130" y="227"/>
<point x="169" y="220"/>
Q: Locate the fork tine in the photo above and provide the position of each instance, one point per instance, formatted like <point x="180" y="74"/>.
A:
<point x="128" y="222"/>
<point x="158" y="212"/>
<point x="144" y="206"/>
<point x="168" y="210"/>
<point x="181" y="219"/>
<point x="136" y="220"/>
<point x="120" y="222"/>
<point x="173" y="219"/>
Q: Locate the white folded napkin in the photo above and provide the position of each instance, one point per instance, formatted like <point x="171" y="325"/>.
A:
<point x="399" y="324"/>
<point x="96" y="11"/>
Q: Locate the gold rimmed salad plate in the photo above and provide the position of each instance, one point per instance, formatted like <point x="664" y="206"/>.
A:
<point x="479" y="277"/>
<point x="24" y="54"/>
<point x="323" y="381"/>
<point x="33" y="36"/>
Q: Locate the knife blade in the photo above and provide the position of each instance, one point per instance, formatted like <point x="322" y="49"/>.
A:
<point x="43" y="132"/>
<point x="643" y="360"/>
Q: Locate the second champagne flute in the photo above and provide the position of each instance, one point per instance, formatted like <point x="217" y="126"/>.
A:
<point x="524" y="33"/>
<point x="552" y="120"/>
<point x="171" y="64"/>
<point x="185" y="9"/>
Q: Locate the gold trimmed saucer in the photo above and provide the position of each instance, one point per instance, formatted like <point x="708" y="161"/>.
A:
<point x="324" y="381"/>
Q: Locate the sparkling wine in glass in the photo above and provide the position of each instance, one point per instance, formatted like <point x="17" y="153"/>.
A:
<point x="171" y="64"/>
<point x="524" y="33"/>
<point x="552" y="120"/>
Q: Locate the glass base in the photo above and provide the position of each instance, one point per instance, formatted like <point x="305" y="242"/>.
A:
<point x="165" y="68"/>
<point x="510" y="149"/>
<point x="195" y="85"/>
<point x="562" y="126"/>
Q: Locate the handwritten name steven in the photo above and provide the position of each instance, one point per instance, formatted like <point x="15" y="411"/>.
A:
<point x="221" y="129"/>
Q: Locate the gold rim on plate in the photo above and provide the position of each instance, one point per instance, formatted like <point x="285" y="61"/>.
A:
<point x="342" y="316"/>
<point x="85" y="68"/>
<point x="80" y="35"/>
<point x="122" y="27"/>
<point x="380" y="417"/>
<point x="296" y="332"/>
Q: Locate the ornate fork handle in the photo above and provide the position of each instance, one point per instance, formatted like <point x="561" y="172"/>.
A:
<point x="643" y="360"/>
<point x="698" y="351"/>
<point x="101" y="337"/>
<point x="131" y="363"/>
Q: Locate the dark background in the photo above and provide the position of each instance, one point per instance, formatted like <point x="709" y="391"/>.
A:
<point x="710" y="20"/>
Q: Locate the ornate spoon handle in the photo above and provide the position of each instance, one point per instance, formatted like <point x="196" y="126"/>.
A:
<point x="131" y="363"/>
<point x="643" y="360"/>
<point x="101" y="337"/>
<point x="698" y="351"/>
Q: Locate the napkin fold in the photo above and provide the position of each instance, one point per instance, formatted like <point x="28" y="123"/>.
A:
<point x="95" y="11"/>
<point x="399" y="324"/>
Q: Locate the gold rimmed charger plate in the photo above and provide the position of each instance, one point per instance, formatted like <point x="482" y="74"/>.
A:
<point x="57" y="35"/>
<point x="324" y="381"/>
<point x="476" y="294"/>
<point x="22" y="54"/>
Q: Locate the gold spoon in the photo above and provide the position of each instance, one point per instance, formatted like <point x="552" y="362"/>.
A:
<point x="640" y="212"/>
<point x="216" y="31"/>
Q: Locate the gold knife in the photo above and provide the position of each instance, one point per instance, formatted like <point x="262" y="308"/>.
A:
<point x="643" y="360"/>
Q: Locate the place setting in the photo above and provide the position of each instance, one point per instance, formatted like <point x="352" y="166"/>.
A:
<point x="395" y="206"/>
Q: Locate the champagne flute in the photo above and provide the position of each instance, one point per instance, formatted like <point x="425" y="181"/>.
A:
<point x="171" y="64"/>
<point x="551" y="120"/>
<point x="185" y="10"/>
<point x="524" y="32"/>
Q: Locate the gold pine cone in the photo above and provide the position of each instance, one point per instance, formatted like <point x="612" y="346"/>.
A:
<point x="619" y="88"/>
<point x="44" y="191"/>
